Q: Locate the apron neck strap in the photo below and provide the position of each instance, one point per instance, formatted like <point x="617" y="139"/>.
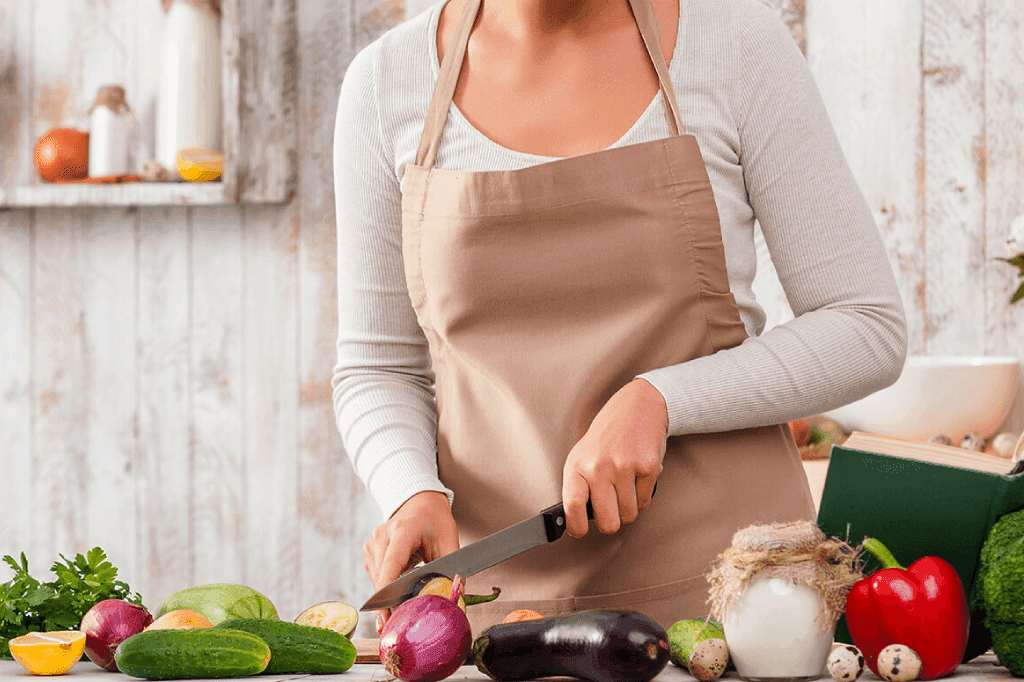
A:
<point x="647" y="22"/>
<point x="455" y="53"/>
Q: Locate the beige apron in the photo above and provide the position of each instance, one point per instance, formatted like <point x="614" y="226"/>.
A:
<point x="544" y="290"/>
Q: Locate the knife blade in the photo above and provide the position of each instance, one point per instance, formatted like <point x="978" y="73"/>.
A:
<point x="545" y="527"/>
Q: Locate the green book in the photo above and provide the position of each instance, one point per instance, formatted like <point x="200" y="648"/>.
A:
<point x="919" y="499"/>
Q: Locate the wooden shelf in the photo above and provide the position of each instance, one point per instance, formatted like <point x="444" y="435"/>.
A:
<point x="124" y="194"/>
<point x="259" y="124"/>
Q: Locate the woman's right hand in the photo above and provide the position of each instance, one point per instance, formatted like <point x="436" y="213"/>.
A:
<point x="422" y="529"/>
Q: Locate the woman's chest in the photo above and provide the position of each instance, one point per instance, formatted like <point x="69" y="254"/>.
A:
<point x="561" y="97"/>
<point x="575" y="108"/>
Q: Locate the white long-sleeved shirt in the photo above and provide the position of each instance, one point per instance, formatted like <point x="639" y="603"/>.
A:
<point x="745" y="92"/>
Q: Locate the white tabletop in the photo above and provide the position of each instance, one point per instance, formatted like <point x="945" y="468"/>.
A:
<point x="985" y="668"/>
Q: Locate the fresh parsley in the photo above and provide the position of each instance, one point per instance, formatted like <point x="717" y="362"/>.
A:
<point x="27" y="605"/>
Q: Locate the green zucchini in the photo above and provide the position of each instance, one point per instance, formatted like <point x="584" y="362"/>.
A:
<point x="298" y="648"/>
<point x="192" y="653"/>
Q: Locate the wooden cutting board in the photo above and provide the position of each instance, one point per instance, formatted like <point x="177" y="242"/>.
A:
<point x="367" y="650"/>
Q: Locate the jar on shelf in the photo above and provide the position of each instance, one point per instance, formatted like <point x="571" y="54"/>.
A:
<point x="189" y="95"/>
<point x="110" y="126"/>
<point x="779" y="591"/>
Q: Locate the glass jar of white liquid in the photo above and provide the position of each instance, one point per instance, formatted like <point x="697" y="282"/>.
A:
<point x="779" y="591"/>
<point x="775" y="630"/>
<point x="188" y="111"/>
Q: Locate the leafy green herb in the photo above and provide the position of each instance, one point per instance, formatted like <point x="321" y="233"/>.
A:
<point x="27" y="605"/>
<point x="1018" y="262"/>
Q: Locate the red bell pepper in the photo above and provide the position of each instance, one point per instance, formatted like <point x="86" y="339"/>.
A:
<point x="923" y="607"/>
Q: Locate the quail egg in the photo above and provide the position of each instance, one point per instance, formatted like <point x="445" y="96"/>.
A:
<point x="845" y="663"/>
<point x="898" y="663"/>
<point x="974" y="441"/>
<point x="709" y="659"/>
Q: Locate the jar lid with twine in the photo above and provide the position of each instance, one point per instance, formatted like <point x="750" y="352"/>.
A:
<point x="797" y="552"/>
<point x="212" y="6"/>
<point x="112" y="97"/>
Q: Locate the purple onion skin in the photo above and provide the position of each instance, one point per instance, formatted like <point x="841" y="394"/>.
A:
<point x="426" y="639"/>
<point x="109" y="623"/>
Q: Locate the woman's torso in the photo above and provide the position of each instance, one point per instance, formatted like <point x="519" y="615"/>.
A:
<point x="408" y="65"/>
<point x="544" y="290"/>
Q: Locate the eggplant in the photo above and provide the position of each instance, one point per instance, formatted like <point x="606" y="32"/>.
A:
<point x="594" y="645"/>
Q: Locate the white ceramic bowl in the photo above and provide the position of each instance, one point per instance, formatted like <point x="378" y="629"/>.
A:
<point x="948" y="395"/>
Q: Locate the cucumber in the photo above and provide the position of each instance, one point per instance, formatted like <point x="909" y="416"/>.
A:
<point x="595" y="645"/>
<point x="298" y="648"/>
<point x="192" y="653"/>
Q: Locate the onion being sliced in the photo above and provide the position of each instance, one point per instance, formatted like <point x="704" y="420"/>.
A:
<point x="426" y="638"/>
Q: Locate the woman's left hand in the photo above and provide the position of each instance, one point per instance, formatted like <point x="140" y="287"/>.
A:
<point x="617" y="461"/>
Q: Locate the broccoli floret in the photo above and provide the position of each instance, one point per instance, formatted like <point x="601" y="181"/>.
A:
<point x="1000" y="589"/>
<point x="1005" y="535"/>
<point x="1008" y="643"/>
<point x="1003" y="594"/>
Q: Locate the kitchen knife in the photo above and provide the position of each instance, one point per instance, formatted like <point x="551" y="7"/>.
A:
<point x="538" y="530"/>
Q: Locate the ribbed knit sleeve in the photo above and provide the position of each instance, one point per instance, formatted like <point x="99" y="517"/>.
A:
<point x="382" y="382"/>
<point x="848" y="337"/>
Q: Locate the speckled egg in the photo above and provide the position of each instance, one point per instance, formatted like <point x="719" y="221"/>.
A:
<point x="898" y="663"/>
<point x="845" y="663"/>
<point x="973" y="441"/>
<point x="941" y="439"/>
<point x="709" y="659"/>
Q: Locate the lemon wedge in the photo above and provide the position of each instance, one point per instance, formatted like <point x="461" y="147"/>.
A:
<point x="48" y="653"/>
<point x="200" y="165"/>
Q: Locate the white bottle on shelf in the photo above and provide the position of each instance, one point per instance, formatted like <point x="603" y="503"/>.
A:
<point x="109" y="132"/>
<point x="189" y="99"/>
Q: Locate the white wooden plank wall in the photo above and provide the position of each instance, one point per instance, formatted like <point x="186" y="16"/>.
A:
<point x="164" y="372"/>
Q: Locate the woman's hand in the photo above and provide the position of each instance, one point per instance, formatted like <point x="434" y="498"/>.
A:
<point x="422" y="529"/>
<point x="617" y="461"/>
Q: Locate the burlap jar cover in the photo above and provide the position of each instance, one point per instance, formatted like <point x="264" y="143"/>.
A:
<point x="798" y="552"/>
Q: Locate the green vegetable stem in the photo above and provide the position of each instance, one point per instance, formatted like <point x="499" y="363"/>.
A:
<point x="27" y="605"/>
<point x="882" y="553"/>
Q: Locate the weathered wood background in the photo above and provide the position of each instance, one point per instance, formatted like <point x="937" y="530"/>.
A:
<point x="164" y="372"/>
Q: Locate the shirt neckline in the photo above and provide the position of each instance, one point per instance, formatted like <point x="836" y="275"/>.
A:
<point x="435" y="68"/>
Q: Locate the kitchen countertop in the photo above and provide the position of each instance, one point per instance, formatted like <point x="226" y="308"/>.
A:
<point x="985" y="668"/>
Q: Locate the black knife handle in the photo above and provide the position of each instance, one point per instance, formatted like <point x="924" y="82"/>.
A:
<point x="554" y="520"/>
<point x="554" y="517"/>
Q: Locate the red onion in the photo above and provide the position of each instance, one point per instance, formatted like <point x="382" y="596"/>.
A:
<point x="109" y="623"/>
<point x="426" y="638"/>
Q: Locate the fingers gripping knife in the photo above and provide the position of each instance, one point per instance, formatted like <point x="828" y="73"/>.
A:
<point x="545" y="527"/>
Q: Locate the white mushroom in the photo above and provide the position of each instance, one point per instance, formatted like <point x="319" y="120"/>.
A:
<point x="898" y="663"/>
<point x="1015" y="240"/>
<point x="845" y="663"/>
<point x="1003" y="444"/>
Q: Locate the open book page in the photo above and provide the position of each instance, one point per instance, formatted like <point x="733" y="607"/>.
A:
<point x="929" y="452"/>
